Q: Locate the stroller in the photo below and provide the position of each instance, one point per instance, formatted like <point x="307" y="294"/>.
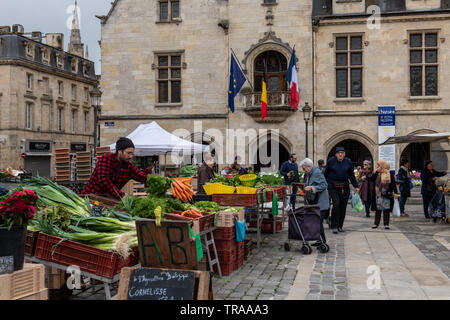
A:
<point x="304" y="225"/>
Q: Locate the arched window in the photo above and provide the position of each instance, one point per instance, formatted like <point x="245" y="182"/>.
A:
<point x="276" y="68"/>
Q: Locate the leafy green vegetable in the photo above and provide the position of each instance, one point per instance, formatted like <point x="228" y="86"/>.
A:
<point x="188" y="171"/>
<point x="157" y="185"/>
<point x="207" y="205"/>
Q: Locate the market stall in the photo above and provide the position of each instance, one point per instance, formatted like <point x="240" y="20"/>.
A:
<point x="152" y="140"/>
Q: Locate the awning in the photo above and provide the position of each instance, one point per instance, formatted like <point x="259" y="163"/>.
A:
<point x="418" y="138"/>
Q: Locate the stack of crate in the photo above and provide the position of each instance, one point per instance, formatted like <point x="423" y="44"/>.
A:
<point x="84" y="166"/>
<point x="25" y="284"/>
<point x="225" y="240"/>
<point x="62" y="158"/>
<point x="101" y="151"/>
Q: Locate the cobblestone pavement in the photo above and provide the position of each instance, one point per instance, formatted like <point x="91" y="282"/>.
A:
<point x="271" y="273"/>
<point x="268" y="274"/>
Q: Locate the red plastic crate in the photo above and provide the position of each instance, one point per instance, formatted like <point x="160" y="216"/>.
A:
<point x="225" y="233"/>
<point x="267" y="225"/>
<point x="238" y="262"/>
<point x="226" y="269"/>
<point x="240" y="249"/>
<point x="225" y="245"/>
<point x="100" y="262"/>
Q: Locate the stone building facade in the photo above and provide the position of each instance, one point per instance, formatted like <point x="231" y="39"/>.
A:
<point x="168" y="61"/>
<point x="44" y="100"/>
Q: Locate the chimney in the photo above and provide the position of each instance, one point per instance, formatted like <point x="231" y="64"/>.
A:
<point x="36" y="36"/>
<point x="17" y="28"/>
<point x="55" y="40"/>
<point x="5" y="29"/>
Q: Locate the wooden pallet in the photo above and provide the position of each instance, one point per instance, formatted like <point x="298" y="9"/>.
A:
<point x="27" y="283"/>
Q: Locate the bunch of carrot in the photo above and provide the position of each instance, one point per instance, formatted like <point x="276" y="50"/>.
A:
<point x="192" y="213"/>
<point x="182" y="189"/>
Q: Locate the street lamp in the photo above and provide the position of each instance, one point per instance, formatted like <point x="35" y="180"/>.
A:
<point x="307" y="115"/>
<point x="96" y="96"/>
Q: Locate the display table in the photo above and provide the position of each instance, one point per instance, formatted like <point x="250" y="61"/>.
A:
<point x="106" y="281"/>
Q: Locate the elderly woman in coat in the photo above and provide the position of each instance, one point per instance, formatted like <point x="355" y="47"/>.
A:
<point x="315" y="182"/>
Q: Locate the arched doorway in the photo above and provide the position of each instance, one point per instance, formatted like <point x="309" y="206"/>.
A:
<point x="283" y="156"/>
<point x="417" y="154"/>
<point x="276" y="69"/>
<point x="355" y="150"/>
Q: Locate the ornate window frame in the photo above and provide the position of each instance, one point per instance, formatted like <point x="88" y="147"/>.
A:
<point x="268" y="43"/>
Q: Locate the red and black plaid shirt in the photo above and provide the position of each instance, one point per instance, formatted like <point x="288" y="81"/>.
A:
<point x="111" y="175"/>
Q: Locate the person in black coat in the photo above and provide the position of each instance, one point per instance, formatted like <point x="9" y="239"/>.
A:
<point x="385" y="192"/>
<point x="429" y="188"/>
<point x="403" y="180"/>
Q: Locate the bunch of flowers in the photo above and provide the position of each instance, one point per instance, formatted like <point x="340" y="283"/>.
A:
<point x="18" y="209"/>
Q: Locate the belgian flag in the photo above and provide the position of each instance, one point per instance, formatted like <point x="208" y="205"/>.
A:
<point x="264" y="95"/>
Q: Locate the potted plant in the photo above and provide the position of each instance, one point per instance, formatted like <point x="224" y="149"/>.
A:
<point x="15" y="212"/>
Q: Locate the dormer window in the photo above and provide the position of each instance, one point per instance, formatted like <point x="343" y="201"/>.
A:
<point x="74" y="65"/>
<point x="86" y="68"/>
<point x="60" y="60"/>
<point x="45" y="55"/>
<point x="29" y="50"/>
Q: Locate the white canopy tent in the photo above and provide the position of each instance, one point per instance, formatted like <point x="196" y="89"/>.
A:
<point x="152" y="140"/>
<point x="422" y="137"/>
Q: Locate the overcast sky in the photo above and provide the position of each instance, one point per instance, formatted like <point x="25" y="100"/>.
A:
<point x="54" y="16"/>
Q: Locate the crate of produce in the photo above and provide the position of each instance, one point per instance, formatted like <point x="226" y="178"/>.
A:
<point x="226" y="218"/>
<point x="235" y="200"/>
<point x="225" y="233"/>
<point x="280" y="190"/>
<point x="213" y="188"/>
<point x="248" y="180"/>
<point x="30" y="242"/>
<point x="245" y="190"/>
<point x="206" y="222"/>
<point x="23" y="283"/>
<point x="100" y="262"/>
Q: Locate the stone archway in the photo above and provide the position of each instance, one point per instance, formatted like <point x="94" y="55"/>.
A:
<point x="354" y="150"/>
<point x="284" y="150"/>
<point x="364" y="140"/>
<point x="416" y="153"/>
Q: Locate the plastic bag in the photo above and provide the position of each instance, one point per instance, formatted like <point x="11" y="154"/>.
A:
<point x="396" y="209"/>
<point x="240" y="230"/>
<point x="275" y="204"/>
<point x="198" y="244"/>
<point x="357" y="204"/>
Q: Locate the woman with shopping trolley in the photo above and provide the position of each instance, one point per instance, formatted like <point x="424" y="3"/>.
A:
<point x="316" y="191"/>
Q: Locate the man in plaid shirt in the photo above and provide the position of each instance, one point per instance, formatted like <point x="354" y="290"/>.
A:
<point x="114" y="170"/>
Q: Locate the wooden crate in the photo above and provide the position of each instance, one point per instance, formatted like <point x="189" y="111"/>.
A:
<point x="23" y="283"/>
<point x="41" y="295"/>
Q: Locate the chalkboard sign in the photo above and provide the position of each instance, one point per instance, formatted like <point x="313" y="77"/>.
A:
<point x="97" y="211"/>
<point x="6" y="265"/>
<point x="158" y="284"/>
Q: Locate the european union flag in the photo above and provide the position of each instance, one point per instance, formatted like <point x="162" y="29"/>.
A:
<point x="237" y="80"/>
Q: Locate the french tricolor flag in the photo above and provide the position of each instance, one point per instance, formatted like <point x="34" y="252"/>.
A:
<point x="293" y="82"/>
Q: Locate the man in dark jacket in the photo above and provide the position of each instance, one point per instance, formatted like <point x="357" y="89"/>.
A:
<point x="205" y="173"/>
<point x="338" y="172"/>
<point x="429" y="188"/>
<point x="290" y="177"/>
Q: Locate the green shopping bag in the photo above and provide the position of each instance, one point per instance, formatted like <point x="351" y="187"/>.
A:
<point x="275" y="204"/>
<point x="357" y="204"/>
<point x="198" y="244"/>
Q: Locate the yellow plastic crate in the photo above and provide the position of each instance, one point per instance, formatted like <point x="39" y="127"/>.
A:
<point x="218" y="187"/>
<point x="245" y="190"/>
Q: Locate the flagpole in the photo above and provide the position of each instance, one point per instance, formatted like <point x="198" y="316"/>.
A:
<point x="232" y="51"/>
